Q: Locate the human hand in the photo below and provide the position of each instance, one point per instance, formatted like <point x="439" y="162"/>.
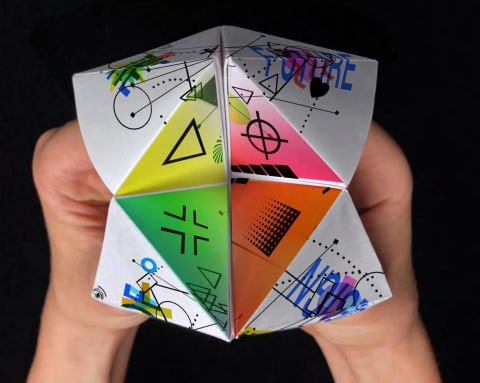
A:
<point x="75" y="201"/>
<point x="387" y="342"/>
<point x="75" y="327"/>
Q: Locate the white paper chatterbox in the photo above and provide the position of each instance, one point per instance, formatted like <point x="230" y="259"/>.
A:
<point x="229" y="154"/>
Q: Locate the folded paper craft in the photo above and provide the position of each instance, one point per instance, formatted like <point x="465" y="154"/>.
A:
<point x="228" y="154"/>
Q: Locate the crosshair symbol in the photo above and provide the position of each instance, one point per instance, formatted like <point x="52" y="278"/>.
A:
<point x="266" y="139"/>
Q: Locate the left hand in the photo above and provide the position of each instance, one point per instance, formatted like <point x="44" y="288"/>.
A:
<point x="77" y="332"/>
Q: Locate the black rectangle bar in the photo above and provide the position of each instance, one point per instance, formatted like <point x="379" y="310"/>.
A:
<point x="257" y="169"/>
<point x="286" y="171"/>
<point x="271" y="170"/>
<point x="246" y="169"/>
<point x="239" y="180"/>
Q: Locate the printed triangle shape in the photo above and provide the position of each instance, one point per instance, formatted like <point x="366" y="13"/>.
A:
<point x="189" y="230"/>
<point x="142" y="281"/>
<point x="268" y="235"/>
<point x="203" y="91"/>
<point x="335" y="274"/>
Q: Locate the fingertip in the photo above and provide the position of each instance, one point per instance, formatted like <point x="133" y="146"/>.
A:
<point x="47" y="143"/>
<point x="48" y="135"/>
<point x="383" y="172"/>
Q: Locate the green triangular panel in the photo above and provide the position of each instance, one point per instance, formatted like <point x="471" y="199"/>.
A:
<point x="190" y="231"/>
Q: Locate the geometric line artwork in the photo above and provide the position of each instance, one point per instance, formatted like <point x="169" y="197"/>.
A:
<point x="217" y="310"/>
<point x="211" y="276"/>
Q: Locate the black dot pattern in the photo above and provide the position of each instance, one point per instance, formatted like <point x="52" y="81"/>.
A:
<point x="272" y="222"/>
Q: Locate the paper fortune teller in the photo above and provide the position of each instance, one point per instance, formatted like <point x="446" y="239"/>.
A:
<point x="229" y="154"/>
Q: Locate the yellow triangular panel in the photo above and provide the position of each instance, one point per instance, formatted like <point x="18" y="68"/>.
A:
<point x="182" y="155"/>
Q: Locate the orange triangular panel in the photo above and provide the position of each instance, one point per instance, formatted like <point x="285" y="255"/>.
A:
<point x="268" y="234"/>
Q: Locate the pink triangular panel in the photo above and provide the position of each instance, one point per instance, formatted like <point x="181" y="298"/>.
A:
<point x="260" y="135"/>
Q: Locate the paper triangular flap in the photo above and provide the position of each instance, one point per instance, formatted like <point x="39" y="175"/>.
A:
<point x="326" y="95"/>
<point x="268" y="234"/>
<point x="131" y="275"/>
<point x="242" y="42"/>
<point x="190" y="231"/>
<point x="188" y="152"/>
<point x="196" y="47"/>
<point x="336" y="273"/>
<point x="121" y="107"/>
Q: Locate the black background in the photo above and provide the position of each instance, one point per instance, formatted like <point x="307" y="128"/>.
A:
<point x="427" y="98"/>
